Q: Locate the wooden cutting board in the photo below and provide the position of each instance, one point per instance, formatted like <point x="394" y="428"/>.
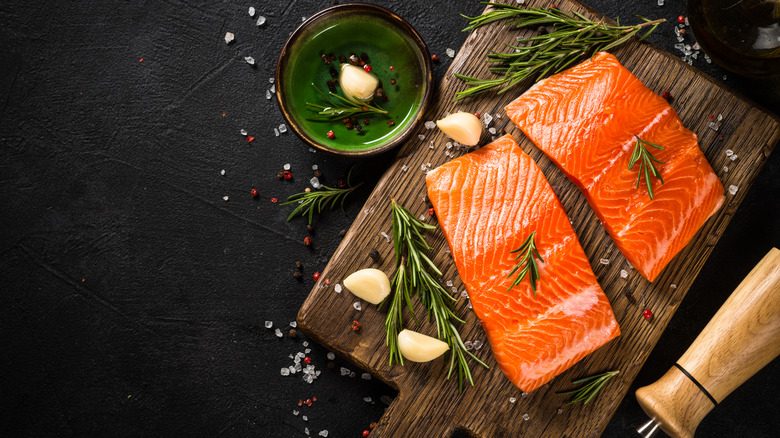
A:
<point x="429" y="406"/>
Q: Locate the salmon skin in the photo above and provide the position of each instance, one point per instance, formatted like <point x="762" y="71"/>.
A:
<point x="487" y="203"/>
<point x="585" y="119"/>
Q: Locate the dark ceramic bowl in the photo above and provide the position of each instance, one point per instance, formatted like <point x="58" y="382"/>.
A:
<point x="397" y="55"/>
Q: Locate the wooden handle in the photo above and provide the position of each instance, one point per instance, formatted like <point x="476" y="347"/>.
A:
<point x="740" y="339"/>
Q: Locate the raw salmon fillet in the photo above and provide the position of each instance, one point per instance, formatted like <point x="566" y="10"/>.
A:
<point x="488" y="202"/>
<point x="585" y="119"/>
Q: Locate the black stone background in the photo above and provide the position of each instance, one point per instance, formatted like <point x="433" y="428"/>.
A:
<point x="133" y="297"/>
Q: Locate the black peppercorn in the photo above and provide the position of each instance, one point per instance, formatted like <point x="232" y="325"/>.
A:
<point x="299" y="265"/>
<point x="374" y="254"/>
<point x="297" y="275"/>
<point x="309" y="228"/>
<point x="318" y="173"/>
<point x="293" y="333"/>
<point x="280" y="175"/>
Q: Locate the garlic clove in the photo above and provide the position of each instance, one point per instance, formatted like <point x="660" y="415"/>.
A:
<point x="462" y="127"/>
<point x="368" y="284"/>
<point x="418" y="347"/>
<point x="358" y="85"/>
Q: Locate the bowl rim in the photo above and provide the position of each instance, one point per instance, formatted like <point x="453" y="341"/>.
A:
<point x="427" y="74"/>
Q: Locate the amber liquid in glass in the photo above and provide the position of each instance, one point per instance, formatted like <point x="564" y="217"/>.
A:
<point x="743" y="36"/>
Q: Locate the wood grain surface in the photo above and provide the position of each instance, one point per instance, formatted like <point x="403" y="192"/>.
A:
<point x="427" y="404"/>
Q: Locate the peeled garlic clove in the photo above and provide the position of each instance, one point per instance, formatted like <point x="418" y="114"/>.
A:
<point x="369" y="284"/>
<point x="462" y="127"/>
<point x="418" y="347"/>
<point x="358" y="85"/>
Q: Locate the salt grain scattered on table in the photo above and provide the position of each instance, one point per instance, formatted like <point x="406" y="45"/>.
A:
<point x="604" y="261"/>
<point x="365" y="376"/>
<point x="243" y="132"/>
<point x="468" y="345"/>
<point x="276" y="132"/>
<point x="331" y="355"/>
<point x="526" y="417"/>
<point x="260" y="20"/>
<point x="367" y="399"/>
<point x="295" y="413"/>
<point x="305" y="418"/>
<point x="249" y="60"/>
<point x="421" y="137"/>
<point x="383" y="234"/>
<point x="725" y="168"/>
<point x="733" y="157"/>
<point x="268" y="94"/>
<point x="251" y="11"/>
<point x="293" y="324"/>
<point x="315" y="182"/>
<point x="323" y="433"/>
<point x="729" y="152"/>
<point x="450" y="52"/>
<point x="225" y="198"/>
<point x="430" y="124"/>
<point x="512" y="399"/>
<point x="357" y="306"/>
<point x="337" y="288"/>
<point x="344" y="371"/>
<point x="492" y="130"/>
<point x="222" y="172"/>
<point x="477" y="344"/>
<point x="623" y="273"/>
<point x="306" y="430"/>
<point x="282" y="128"/>
<point x="733" y="189"/>
<point x="286" y="166"/>
<point x="273" y="88"/>
<point x="464" y="294"/>
<point x="229" y="37"/>
<point x="271" y="80"/>
<point x="278" y="333"/>
<point x="285" y="372"/>
<point x="673" y="286"/>
<point x="269" y="324"/>
<point x="449" y="283"/>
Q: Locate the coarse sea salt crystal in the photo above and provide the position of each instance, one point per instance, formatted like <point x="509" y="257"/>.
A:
<point x="278" y="333"/>
<point x="306" y="430"/>
<point x="286" y="166"/>
<point x="249" y="60"/>
<point x="404" y="168"/>
<point x="729" y="152"/>
<point x="430" y="124"/>
<point x="260" y="20"/>
<point x="512" y="399"/>
<point x="229" y="37"/>
<point x="367" y="399"/>
<point x="725" y="168"/>
<point x="383" y="234"/>
<point x="331" y="355"/>
<point x="660" y="2"/>
<point x="733" y="189"/>
<point x="293" y="324"/>
<point x="449" y="283"/>
<point x="268" y="94"/>
<point x="344" y="371"/>
<point x="468" y="345"/>
<point x="295" y="413"/>
<point x="357" y="306"/>
<point x="222" y="172"/>
<point x="271" y="80"/>
<point x="733" y="157"/>
<point x="337" y="288"/>
<point x="225" y="198"/>
<point x="477" y="344"/>
<point x="314" y="167"/>
<point x="492" y="130"/>
<point x="604" y="261"/>
<point x="487" y="119"/>
<point x="251" y="11"/>
<point x="526" y="417"/>
<point x="282" y="128"/>
<point x="276" y="132"/>
<point x="673" y="286"/>
<point x="304" y="418"/>
<point x="315" y="182"/>
<point x="285" y="371"/>
<point x="714" y="126"/>
<point x="273" y="88"/>
<point x="269" y="324"/>
<point x="365" y="376"/>
<point x="323" y="433"/>
<point x="720" y="117"/>
<point x="450" y="52"/>
<point x="244" y="132"/>
<point x="464" y="294"/>
<point x="623" y="273"/>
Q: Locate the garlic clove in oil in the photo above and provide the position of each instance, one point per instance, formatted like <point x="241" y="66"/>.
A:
<point x="464" y="128"/>
<point x="368" y="284"/>
<point x="417" y="347"/>
<point x="358" y="85"/>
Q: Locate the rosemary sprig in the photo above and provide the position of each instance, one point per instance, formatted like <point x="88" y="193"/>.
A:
<point x="646" y="167"/>
<point x="572" y="36"/>
<point x="416" y="271"/>
<point x="340" y="108"/>
<point x="590" y="387"/>
<point x="316" y="200"/>
<point x="527" y="255"/>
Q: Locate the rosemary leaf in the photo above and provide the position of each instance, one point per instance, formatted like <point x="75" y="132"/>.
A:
<point x="527" y="255"/>
<point x="590" y="387"/>
<point x="572" y="36"/>
<point x="646" y="167"/>
<point x="340" y="108"/>
<point x="317" y="200"/>
<point x="416" y="271"/>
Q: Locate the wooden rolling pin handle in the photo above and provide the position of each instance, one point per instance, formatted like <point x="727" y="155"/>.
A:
<point x="738" y="341"/>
